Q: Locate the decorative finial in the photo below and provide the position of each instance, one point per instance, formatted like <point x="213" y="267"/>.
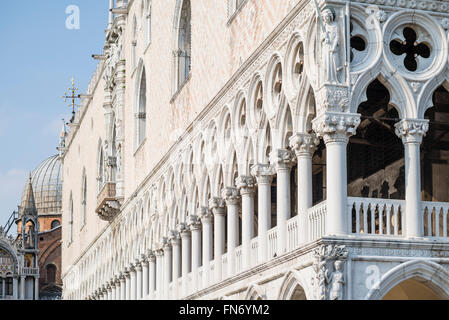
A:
<point x="72" y="97"/>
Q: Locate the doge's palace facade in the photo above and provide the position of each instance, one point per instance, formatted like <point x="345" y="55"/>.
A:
<point x="249" y="149"/>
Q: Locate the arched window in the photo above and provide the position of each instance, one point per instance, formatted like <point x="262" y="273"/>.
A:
<point x="70" y="237"/>
<point x="183" y="51"/>
<point x="100" y="169"/>
<point x="134" y="44"/>
<point x="51" y="273"/>
<point x="148" y="21"/>
<point x="142" y="106"/>
<point x="83" y="198"/>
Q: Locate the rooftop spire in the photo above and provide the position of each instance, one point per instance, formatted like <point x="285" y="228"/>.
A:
<point x="29" y="207"/>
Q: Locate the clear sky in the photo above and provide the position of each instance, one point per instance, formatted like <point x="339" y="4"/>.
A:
<point x="38" y="57"/>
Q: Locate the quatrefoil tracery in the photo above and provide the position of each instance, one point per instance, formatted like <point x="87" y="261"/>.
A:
<point x="411" y="48"/>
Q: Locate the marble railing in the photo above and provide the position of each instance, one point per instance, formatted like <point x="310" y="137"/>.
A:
<point x="435" y="219"/>
<point x="376" y="216"/>
<point x="317" y="221"/>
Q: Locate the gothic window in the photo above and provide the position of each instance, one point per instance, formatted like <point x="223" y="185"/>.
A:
<point x="83" y="199"/>
<point x="141" y="112"/>
<point x="51" y="273"/>
<point x="70" y="237"/>
<point x="134" y="44"/>
<point x="9" y="286"/>
<point x="183" y="51"/>
<point x="100" y="172"/>
<point x="148" y="21"/>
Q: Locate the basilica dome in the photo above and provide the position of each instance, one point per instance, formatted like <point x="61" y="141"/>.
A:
<point x="47" y="187"/>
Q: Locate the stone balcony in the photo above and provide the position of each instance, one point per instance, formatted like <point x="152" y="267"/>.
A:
<point x="26" y="271"/>
<point x="108" y="204"/>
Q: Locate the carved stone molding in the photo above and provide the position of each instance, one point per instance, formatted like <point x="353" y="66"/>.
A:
<point x="411" y="130"/>
<point x="304" y="144"/>
<point x="263" y="173"/>
<point x="194" y="223"/>
<point x="231" y="196"/>
<point x="332" y="98"/>
<point x="329" y="281"/>
<point x="336" y="126"/>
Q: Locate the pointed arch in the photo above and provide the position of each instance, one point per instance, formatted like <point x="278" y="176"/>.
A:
<point x="255" y="292"/>
<point x="429" y="273"/>
<point x="182" y="34"/>
<point x="294" y="287"/>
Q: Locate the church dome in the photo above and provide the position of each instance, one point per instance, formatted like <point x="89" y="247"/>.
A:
<point x="47" y="187"/>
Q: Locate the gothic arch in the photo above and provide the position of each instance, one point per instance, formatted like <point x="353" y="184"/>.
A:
<point x="255" y="292"/>
<point x="292" y="281"/>
<point x="425" y="100"/>
<point x="140" y="104"/>
<point x="181" y="43"/>
<point x="430" y="273"/>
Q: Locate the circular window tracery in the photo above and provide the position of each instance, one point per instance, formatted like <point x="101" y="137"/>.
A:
<point x="411" y="49"/>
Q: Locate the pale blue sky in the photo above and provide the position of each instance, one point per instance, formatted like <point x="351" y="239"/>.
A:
<point x="38" y="57"/>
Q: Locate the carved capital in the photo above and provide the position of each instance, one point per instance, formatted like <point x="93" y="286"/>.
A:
<point x="184" y="230"/>
<point x="217" y="206"/>
<point x="335" y="126"/>
<point x="411" y="130"/>
<point x="304" y="144"/>
<point x="205" y="215"/>
<point x="246" y="184"/>
<point x="282" y="159"/>
<point x="194" y="223"/>
<point x="231" y="196"/>
<point x="263" y="173"/>
<point x="174" y="238"/>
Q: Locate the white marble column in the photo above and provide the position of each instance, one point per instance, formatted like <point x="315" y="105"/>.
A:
<point x="176" y="261"/>
<point x="145" y="276"/>
<point x="122" y="286"/>
<point x="304" y="146"/>
<point x="138" y="266"/>
<point x="133" y="282"/>
<point x="282" y="160"/>
<point x="15" y="288"/>
<point x="159" y="273"/>
<point x="195" y="229"/>
<point x="206" y="220"/>
<point x="218" y="209"/>
<point x="412" y="131"/>
<point x="127" y="284"/>
<point x="232" y="198"/>
<point x="22" y="288"/>
<point x="152" y="274"/>
<point x="167" y="268"/>
<point x="264" y="177"/>
<point x="336" y="129"/>
<point x="3" y="288"/>
<point x="186" y="255"/>
<point x="246" y="186"/>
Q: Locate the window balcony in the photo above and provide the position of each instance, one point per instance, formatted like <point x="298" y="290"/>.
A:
<point x="30" y="271"/>
<point x="108" y="203"/>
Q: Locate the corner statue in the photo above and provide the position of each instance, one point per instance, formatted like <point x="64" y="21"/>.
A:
<point x="330" y="38"/>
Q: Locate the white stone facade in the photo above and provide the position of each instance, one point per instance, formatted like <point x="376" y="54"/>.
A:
<point x="191" y="126"/>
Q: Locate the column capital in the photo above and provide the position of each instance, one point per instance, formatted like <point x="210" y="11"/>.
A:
<point x="304" y="144"/>
<point x="151" y="256"/>
<point x="138" y="265"/>
<point x="174" y="238"/>
<point x="166" y="246"/>
<point x="122" y="277"/>
<point x="336" y="126"/>
<point x="217" y="206"/>
<point x="246" y="184"/>
<point x="194" y="222"/>
<point x="412" y="130"/>
<point x="144" y="260"/>
<point x="282" y="159"/>
<point x="184" y="231"/>
<point x="263" y="173"/>
<point x="205" y="215"/>
<point x="231" y="195"/>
